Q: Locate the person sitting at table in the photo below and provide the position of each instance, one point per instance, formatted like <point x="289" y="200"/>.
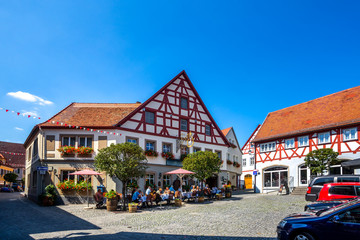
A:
<point x="167" y="190"/>
<point x="148" y="196"/>
<point x="136" y="196"/>
<point x="99" y="199"/>
<point x="207" y="191"/>
<point x="172" y="188"/>
<point x="214" y="191"/>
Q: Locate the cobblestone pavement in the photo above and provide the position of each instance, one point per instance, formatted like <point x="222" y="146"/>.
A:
<point x="245" y="216"/>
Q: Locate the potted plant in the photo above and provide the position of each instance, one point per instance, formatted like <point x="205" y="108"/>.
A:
<point x="227" y="188"/>
<point x="67" y="151"/>
<point x="111" y="200"/>
<point x="82" y="186"/>
<point x="178" y="202"/>
<point x="84" y="151"/>
<point x="229" y="162"/>
<point x="132" y="207"/>
<point x="151" y="153"/>
<point x="237" y="165"/>
<point x="167" y="155"/>
<point x="49" y="197"/>
<point x="219" y="196"/>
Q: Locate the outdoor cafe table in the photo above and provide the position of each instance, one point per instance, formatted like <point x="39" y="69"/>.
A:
<point x="186" y="194"/>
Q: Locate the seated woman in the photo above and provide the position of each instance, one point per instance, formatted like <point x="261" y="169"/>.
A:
<point x="207" y="191"/>
<point x="167" y="190"/>
<point x="99" y="199"/>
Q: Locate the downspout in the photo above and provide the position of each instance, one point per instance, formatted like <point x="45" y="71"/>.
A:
<point x="254" y="166"/>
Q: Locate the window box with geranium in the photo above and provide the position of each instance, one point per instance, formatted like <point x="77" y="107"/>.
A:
<point x="237" y="165"/>
<point x="83" y="186"/>
<point x="229" y="162"/>
<point x="84" y="151"/>
<point x="67" y="151"/>
<point x="167" y="155"/>
<point x="151" y="153"/>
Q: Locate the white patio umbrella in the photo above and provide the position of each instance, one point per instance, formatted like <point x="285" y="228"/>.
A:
<point x="86" y="173"/>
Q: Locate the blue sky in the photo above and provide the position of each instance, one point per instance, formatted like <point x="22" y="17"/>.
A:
<point x="246" y="58"/>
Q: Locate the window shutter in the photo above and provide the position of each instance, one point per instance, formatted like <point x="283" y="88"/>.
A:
<point x="102" y="142"/>
<point x="50" y="143"/>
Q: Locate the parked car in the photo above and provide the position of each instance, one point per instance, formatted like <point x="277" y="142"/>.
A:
<point x="339" y="191"/>
<point x="317" y="183"/>
<point x="14" y="186"/>
<point x="340" y="222"/>
<point x="322" y="205"/>
<point x="6" y="189"/>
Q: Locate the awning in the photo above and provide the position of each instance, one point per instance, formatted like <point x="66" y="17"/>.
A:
<point x="351" y="163"/>
<point x="7" y="168"/>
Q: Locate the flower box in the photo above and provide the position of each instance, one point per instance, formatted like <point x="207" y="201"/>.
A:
<point x="84" y="155"/>
<point x="132" y="207"/>
<point x="67" y="151"/>
<point x="229" y="162"/>
<point x="167" y="155"/>
<point x="151" y="153"/>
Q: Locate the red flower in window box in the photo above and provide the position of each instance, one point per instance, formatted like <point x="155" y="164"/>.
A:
<point x="167" y="155"/>
<point x="151" y="153"/>
<point x="84" y="150"/>
<point x="67" y="150"/>
<point x="229" y="162"/>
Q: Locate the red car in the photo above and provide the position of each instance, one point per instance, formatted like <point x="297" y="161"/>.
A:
<point x="338" y="191"/>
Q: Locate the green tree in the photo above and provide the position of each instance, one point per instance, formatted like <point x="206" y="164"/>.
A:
<point x="321" y="159"/>
<point x="124" y="161"/>
<point x="10" y="177"/>
<point x="203" y="164"/>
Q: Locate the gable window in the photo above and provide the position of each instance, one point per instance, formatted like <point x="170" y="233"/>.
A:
<point x="85" y="142"/>
<point x="268" y="147"/>
<point x="183" y="125"/>
<point x="149" y="117"/>
<point x="208" y="130"/>
<point x="252" y="161"/>
<point x="184" y="103"/>
<point x="289" y="143"/>
<point x="303" y="141"/>
<point x="132" y="140"/>
<point x="244" y="162"/>
<point x="166" y="148"/>
<point x="350" y="134"/>
<point x="324" y="138"/>
<point x="68" y="141"/>
<point x="149" y="146"/>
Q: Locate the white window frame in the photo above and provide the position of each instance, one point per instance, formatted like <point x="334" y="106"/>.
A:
<point x="86" y="141"/>
<point x="287" y="146"/>
<point x="307" y="141"/>
<point x="268" y="147"/>
<point x="244" y="162"/>
<point x="167" y="147"/>
<point x="252" y="161"/>
<point x="323" y="134"/>
<point x="132" y="140"/>
<point x="147" y="147"/>
<point x="69" y="139"/>
<point x="149" y="177"/>
<point x="350" y="138"/>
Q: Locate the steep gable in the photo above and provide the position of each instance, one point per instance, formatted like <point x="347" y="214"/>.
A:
<point x="165" y="106"/>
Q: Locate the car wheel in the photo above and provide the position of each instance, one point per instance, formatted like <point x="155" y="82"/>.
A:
<point x="303" y="236"/>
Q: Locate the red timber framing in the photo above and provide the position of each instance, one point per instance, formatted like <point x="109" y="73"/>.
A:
<point x="247" y="146"/>
<point x="337" y="144"/>
<point x="166" y="106"/>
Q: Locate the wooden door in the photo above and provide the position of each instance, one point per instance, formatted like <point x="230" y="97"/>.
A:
<point x="248" y="181"/>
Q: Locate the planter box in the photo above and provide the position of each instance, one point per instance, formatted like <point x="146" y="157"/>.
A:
<point x="85" y="155"/>
<point x="68" y="155"/>
<point x="201" y="199"/>
<point x="178" y="202"/>
<point x="111" y="204"/>
<point x="219" y="196"/>
<point x="132" y="208"/>
<point x="71" y="192"/>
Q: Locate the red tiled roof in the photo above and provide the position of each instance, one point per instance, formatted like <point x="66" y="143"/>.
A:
<point x="338" y="109"/>
<point x="92" y="114"/>
<point x="226" y="131"/>
<point x="13" y="160"/>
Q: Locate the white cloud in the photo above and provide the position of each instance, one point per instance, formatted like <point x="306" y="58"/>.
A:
<point x="20" y="129"/>
<point x="29" y="98"/>
<point x="33" y="114"/>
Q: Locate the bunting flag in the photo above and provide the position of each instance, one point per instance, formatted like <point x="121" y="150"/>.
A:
<point x="83" y="128"/>
<point x="19" y="114"/>
<point x="13" y="153"/>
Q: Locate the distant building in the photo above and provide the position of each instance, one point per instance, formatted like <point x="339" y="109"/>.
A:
<point x="248" y="161"/>
<point x="289" y="134"/>
<point x="158" y="124"/>
<point x="12" y="156"/>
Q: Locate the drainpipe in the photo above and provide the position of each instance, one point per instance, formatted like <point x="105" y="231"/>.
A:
<point x="254" y="166"/>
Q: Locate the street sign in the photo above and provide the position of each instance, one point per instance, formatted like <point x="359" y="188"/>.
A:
<point x="255" y="173"/>
<point x="42" y="172"/>
<point x="42" y="168"/>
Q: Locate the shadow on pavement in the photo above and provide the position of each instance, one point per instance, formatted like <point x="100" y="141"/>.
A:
<point x="20" y="217"/>
<point x="154" y="236"/>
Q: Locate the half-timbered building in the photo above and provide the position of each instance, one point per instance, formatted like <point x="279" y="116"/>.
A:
<point x="289" y="134"/>
<point x="157" y="125"/>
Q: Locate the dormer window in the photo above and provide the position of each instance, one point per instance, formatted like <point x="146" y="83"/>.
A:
<point x="184" y="103"/>
<point x="149" y="117"/>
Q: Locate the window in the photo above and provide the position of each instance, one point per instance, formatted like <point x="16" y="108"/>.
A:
<point x="197" y="149"/>
<point x="68" y="141"/>
<point x="303" y="141"/>
<point x="150" y="179"/>
<point x="252" y="161"/>
<point x="275" y="176"/>
<point x="342" y="190"/>
<point x="132" y="140"/>
<point x="351" y="216"/>
<point x="290" y="143"/>
<point x="167" y="148"/>
<point x="234" y="158"/>
<point x="34" y="182"/>
<point x="228" y="156"/>
<point x="65" y="175"/>
<point x="85" y="142"/>
<point x="149" y="117"/>
<point x="244" y="162"/>
<point x="268" y="147"/>
<point x="324" y="138"/>
<point x="183" y="125"/>
<point x="35" y="150"/>
<point x="207" y="130"/>
<point x="350" y="134"/>
<point x="184" y="103"/>
<point x="150" y="146"/>
<point x="348" y="179"/>
<point x="219" y="154"/>
<point x="184" y="150"/>
<point x="322" y="181"/>
<point x="166" y="181"/>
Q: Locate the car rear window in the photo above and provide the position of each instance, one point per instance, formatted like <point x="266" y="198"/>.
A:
<point x="348" y="179"/>
<point x="322" y="181"/>
<point x="357" y="190"/>
<point x="342" y="190"/>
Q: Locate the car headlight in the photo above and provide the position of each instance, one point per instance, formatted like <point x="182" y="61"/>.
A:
<point x="282" y="223"/>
